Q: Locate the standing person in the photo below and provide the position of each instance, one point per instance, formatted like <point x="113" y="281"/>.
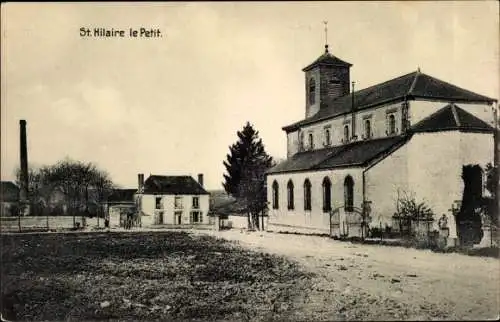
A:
<point x="129" y="219"/>
<point x="106" y="220"/>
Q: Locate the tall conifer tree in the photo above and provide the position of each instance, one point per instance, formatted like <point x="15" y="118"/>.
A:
<point x="246" y="165"/>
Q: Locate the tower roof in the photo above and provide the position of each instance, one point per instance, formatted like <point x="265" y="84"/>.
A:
<point x="327" y="59"/>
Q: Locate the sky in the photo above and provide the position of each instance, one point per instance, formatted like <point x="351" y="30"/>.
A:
<point x="172" y="105"/>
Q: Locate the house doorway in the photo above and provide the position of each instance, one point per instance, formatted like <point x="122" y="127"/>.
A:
<point x="159" y="219"/>
<point x="178" y="218"/>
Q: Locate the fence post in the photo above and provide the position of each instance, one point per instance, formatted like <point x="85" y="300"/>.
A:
<point x="491" y="233"/>
<point x="19" y="222"/>
<point x="381" y="232"/>
<point x="48" y="223"/>
<point x="331" y="223"/>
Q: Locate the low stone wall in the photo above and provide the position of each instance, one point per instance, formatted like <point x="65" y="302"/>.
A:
<point x="183" y="226"/>
<point x="29" y="223"/>
<point x="283" y="228"/>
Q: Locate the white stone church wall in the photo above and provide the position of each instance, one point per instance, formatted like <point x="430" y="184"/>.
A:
<point x="435" y="163"/>
<point x="476" y="148"/>
<point x="435" y="172"/>
<point x="385" y="181"/>
<point x="316" y="218"/>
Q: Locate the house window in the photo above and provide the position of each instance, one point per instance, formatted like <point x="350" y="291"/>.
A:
<point x="368" y="129"/>
<point x="311" y="141"/>
<point x="196" y="217"/>
<point x="158" y="204"/>
<point x="275" y="195"/>
<point x="327" y="137"/>
<point x="346" y="133"/>
<point x="391" y="124"/>
<point x="307" y="195"/>
<point x="178" y="202"/>
<point x="312" y="91"/>
<point x="349" y="193"/>
<point x="290" y="195"/>
<point x="301" y="141"/>
<point x="327" y="195"/>
<point x="196" y="202"/>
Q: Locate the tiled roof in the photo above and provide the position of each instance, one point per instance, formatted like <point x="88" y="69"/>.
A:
<point x="327" y="59"/>
<point x="409" y="86"/>
<point x="122" y="195"/>
<point x="173" y="185"/>
<point x="354" y="154"/>
<point x="9" y="191"/>
<point x="451" y="117"/>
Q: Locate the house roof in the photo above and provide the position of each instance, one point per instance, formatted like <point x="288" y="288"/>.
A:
<point x="409" y="86"/>
<point x="173" y="185"/>
<point x="122" y="196"/>
<point x="354" y="154"/>
<point x="327" y="59"/>
<point x="9" y="191"/>
<point x="449" y="118"/>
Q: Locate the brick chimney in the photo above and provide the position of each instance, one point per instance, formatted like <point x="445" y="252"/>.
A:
<point x="24" y="168"/>
<point x="200" y="179"/>
<point x="140" y="182"/>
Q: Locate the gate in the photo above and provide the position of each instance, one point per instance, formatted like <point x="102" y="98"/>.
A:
<point x="347" y="223"/>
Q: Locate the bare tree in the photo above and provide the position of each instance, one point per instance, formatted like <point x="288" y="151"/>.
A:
<point x="81" y="183"/>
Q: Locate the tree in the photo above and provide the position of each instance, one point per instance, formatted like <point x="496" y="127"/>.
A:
<point x="412" y="214"/>
<point x="82" y="184"/>
<point x="246" y="166"/>
<point x="103" y="186"/>
<point x="469" y="221"/>
<point x="38" y="191"/>
<point x="490" y="203"/>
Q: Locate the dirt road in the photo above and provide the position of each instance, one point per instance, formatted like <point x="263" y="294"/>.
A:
<point x="371" y="282"/>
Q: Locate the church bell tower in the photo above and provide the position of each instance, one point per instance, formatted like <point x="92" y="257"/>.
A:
<point x="326" y="78"/>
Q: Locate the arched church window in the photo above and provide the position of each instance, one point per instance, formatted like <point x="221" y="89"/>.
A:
<point x="291" y="205"/>
<point x="346" y="133"/>
<point x="327" y="137"/>
<point x="311" y="141"/>
<point x="392" y="124"/>
<point x="368" y="129"/>
<point x="327" y="195"/>
<point x="307" y="194"/>
<point x="312" y="91"/>
<point x="275" y="195"/>
<point x="349" y="193"/>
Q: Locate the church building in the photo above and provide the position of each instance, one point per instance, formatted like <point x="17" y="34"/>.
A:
<point x="356" y="153"/>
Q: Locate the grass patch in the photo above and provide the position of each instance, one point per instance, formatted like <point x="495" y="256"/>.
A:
<point x="143" y="276"/>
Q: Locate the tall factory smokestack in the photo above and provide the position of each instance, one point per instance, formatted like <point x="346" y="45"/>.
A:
<point x="24" y="168"/>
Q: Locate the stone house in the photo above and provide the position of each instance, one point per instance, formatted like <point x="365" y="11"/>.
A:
<point x="172" y="200"/>
<point x="118" y="204"/>
<point x="357" y="152"/>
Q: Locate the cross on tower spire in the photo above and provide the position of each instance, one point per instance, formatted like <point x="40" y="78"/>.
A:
<point x="326" y="36"/>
